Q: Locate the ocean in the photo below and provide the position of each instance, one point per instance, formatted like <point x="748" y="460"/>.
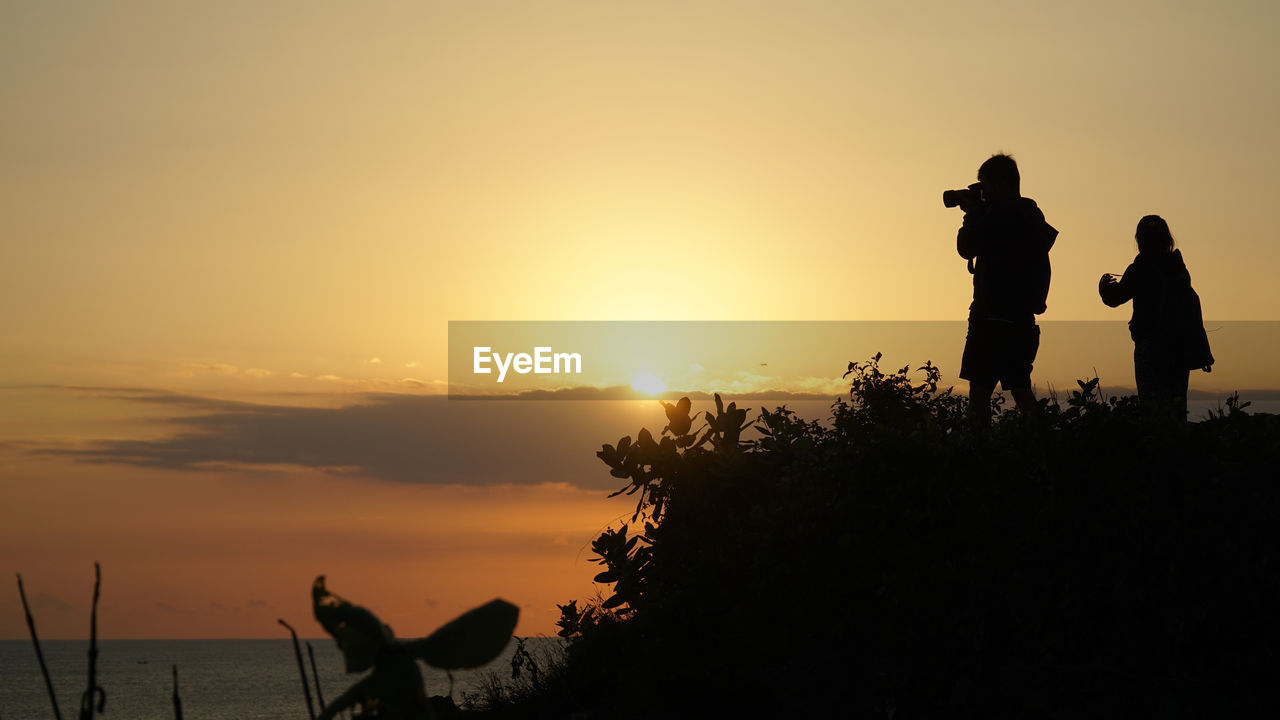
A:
<point x="218" y="679"/>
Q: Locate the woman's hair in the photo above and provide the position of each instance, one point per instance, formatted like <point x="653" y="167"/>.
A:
<point x="1153" y="235"/>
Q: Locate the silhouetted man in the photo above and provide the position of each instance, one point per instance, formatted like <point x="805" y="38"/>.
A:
<point x="1006" y="240"/>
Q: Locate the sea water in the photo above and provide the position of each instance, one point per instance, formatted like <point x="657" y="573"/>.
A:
<point x="218" y="679"/>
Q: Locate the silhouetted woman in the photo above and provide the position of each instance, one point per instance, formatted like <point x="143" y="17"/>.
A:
<point x="1167" y="327"/>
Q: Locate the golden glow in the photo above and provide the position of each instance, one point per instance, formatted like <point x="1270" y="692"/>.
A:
<point x="648" y="384"/>
<point x="239" y="199"/>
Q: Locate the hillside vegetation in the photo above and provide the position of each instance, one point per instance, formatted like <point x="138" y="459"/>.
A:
<point x="1100" y="561"/>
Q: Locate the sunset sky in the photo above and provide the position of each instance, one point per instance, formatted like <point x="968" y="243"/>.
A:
<point x="233" y="234"/>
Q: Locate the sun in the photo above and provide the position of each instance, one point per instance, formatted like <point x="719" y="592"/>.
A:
<point x="648" y="384"/>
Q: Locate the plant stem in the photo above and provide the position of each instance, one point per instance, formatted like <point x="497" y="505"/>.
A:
<point x="315" y="676"/>
<point x="302" y="670"/>
<point x="31" y="625"/>
<point x="177" y="701"/>
<point x="86" y="700"/>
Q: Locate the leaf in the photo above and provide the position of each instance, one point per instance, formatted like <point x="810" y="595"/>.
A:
<point x="608" y="455"/>
<point x="645" y="442"/>
<point x="678" y="416"/>
<point x="471" y="640"/>
<point x="705" y="437"/>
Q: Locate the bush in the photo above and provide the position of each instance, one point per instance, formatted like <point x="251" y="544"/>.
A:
<point x="1101" y="559"/>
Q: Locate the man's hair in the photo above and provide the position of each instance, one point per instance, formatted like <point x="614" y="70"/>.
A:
<point x="1003" y="168"/>
<point x="1153" y="235"/>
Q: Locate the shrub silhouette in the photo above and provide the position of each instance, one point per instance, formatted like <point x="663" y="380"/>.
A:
<point x="1100" y="560"/>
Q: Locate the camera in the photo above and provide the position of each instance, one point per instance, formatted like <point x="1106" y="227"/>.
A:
<point x="971" y="196"/>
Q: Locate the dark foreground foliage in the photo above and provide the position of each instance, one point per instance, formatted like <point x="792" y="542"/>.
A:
<point x="1102" y="561"/>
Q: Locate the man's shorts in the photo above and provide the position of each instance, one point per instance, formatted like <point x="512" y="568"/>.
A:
<point x="1000" y="350"/>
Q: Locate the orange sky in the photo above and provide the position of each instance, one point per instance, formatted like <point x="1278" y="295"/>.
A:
<point x="287" y="202"/>
<point x="224" y="554"/>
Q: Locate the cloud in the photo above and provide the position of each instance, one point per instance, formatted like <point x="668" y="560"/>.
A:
<point x="148" y="395"/>
<point x="409" y="438"/>
<point x="209" y="369"/>
<point x="626" y="392"/>
<point x="376" y="385"/>
<point x="394" y="437"/>
<point x="222" y="370"/>
<point x="406" y="438"/>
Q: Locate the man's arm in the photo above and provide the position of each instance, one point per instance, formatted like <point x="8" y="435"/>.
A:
<point x="969" y="240"/>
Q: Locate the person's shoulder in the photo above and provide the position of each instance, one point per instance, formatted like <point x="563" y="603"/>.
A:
<point x="1009" y="211"/>
<point x="1177" y="268"/>
<point x="1148" y="268"/>
<point x="1028" y="208"/>
<point x="1032" y="219"/>
<point x="1027" y="212"/>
